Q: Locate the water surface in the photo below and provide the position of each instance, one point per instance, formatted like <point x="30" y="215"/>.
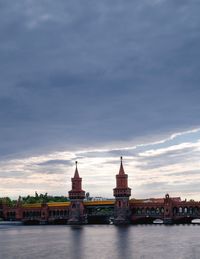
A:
<point x="100" y="242"/>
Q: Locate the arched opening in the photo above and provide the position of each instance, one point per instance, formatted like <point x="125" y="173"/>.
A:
<point x="180" y="210"/>
<point x="190" y="210"/>
<point x="158" y="221"/>
<point x="157" y="211"/>
<point x="195" y="221"/>
<point x="175" y="210"/>
<point x="196" y="210"/>
<point x="152" y="211"/>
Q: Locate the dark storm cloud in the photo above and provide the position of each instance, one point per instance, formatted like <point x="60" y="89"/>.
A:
<point x="79" y="73"/>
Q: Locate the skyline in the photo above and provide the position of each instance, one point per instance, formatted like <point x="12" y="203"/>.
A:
<point x="170" y="165"/>
<point x="93" y="82"/>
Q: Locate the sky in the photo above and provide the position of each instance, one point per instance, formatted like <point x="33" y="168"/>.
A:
<point x="95" y="80"/>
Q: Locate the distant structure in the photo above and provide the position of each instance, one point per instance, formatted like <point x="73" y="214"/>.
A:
<point x="121" y="210"/>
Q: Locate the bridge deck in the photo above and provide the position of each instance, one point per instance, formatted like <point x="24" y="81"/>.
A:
<point x="67" y="204"/>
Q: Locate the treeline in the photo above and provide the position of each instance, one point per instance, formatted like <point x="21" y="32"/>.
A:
<point x="42" y="198"/>
<point x="38" y="198"/>
<point x="8" y="201"/>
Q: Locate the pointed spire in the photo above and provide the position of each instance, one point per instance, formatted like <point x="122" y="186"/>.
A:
<point x="76" y="174"/>
<point x="121" y="170"/>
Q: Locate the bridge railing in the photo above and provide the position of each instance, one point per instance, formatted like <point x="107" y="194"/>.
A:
<point x="148" y="211"/>
<point x="100" y="211"/>
<point x="11" y="215"/>
<point x="58" y="213"/>
<point x="186" y="211"/>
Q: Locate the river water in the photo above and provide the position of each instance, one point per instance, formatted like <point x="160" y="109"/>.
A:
<point x="100" y="242"/>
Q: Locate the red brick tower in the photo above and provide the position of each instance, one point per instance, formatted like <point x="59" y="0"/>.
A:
<point x="168" y="209"/>
<point x="76" y="196"/>
<point x="122" y="193"/>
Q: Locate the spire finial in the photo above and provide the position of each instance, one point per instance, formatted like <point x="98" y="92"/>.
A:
<point x="76" y="170"/>
<point x="121" y="170"/>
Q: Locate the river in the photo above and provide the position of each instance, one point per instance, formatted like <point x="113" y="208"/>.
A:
<point x="100" y="242"/>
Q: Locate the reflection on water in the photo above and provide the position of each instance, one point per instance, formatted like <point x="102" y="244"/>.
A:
<point x="76" y="238"/>
<point x="100" y="242"/>
<point x="122" y="241"/>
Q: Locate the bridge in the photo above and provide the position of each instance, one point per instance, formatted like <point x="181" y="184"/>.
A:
<point x="99" y="212"/>
<point x="169" y="210"/>
<point x="102" y="212"/>
<point x="121" y="210"/>
<point x="58" y="212"/>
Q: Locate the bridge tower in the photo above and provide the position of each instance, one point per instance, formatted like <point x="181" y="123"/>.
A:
<point x="122" y="193"/>
<point x="168" y="217"/>
<point x="76" y="196"/>
<point x="19" y="209"/>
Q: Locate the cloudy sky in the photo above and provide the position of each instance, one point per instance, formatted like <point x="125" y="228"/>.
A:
<point x="94" y="80"/>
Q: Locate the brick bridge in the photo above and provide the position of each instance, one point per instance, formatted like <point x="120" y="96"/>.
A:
<point x="120" y="210"/>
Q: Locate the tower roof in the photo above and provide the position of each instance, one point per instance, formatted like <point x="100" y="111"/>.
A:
<point x="76" y="174"/>
<point x="121" y="170"/>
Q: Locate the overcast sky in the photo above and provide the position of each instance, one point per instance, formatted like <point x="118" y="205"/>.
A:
<point x="94" y="80"/>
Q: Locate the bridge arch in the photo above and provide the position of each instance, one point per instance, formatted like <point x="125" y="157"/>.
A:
<point x="195" y="221"/>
